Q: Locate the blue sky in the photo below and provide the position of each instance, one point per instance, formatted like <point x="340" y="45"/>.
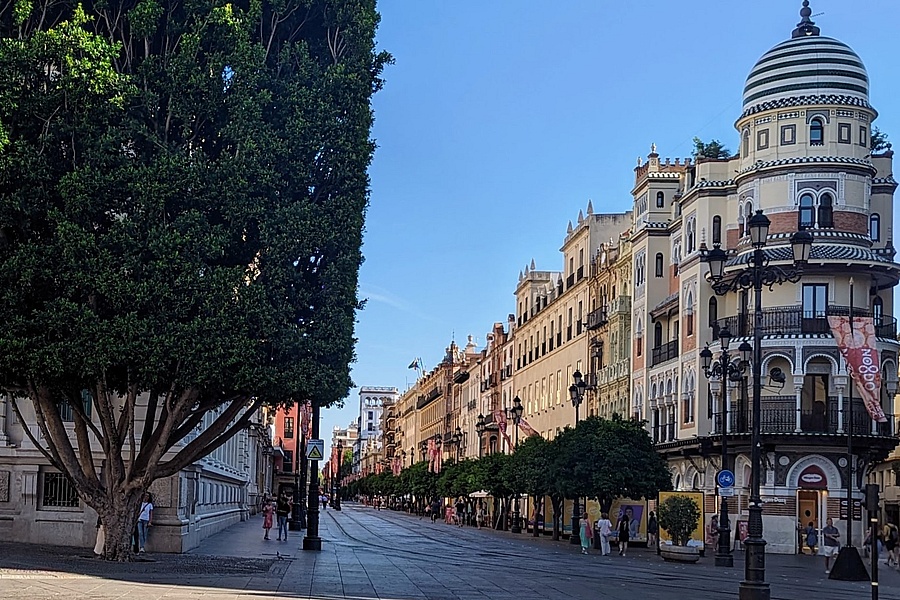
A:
<point x="502" y="118"/>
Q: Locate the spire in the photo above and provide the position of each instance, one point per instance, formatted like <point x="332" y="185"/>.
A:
<point x="806" y="27"/>
<point x="590" y="207"/>
<point x="532" y="265"/>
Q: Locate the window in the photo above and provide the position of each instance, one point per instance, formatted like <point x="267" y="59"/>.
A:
<point x="717" y="230"/>
<point x="748" y="212"/>
<point x="657" y="335"/>
<point x="289" y="427"/>
<point x="878" y="311"/>
<point x="788" y="135"/>
<point x="659" y="264"/>
<point x="807" y="212"/>
<point x="371" y="415"/>
<point x="287" y="463"/>
<point x="875" y="227"/>
<point x="745" y="144"/>
<point x="762" y="139"/>
<point x="370" y="427"/>
<point x="814" y="298"/>
<point x="57" y="491"/>
<point x="844" y="133"/>
<point x="689" y="315"/>
<point x="713" y="312"/>
<point x="864" y="136"/>
<point x="691" y="235"/>
<point x="826" y="218"/>
<point x="660" y="200"/>
<point x="816" y="132"/>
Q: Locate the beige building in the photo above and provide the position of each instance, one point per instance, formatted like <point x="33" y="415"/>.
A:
<point x="805" y="160"/>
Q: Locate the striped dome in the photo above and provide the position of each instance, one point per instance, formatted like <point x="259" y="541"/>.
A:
<point x="809" y="65"/>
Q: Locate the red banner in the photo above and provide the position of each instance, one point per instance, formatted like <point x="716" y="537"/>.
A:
<point x="856" y="341"/>
<point x="527" y="429"/>
<point x="500" y="418"/>
<point x="306" y="419"/>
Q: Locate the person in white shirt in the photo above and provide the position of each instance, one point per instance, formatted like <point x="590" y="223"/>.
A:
<point x="604" y="528"/>
<point x="145" y="520"/>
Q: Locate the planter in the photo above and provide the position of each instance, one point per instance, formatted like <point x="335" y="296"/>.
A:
<point x="685" y="554"/>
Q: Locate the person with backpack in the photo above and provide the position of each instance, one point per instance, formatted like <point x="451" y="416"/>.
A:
<point x="812" y="538"/>
<point x="892" y="539"/>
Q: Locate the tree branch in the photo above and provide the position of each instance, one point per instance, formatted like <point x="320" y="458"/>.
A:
<point x="55" y="463"/>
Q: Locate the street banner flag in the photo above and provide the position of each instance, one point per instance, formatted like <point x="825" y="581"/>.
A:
<point x="527" y="429"/>
<point x="500" y="419"/>
<point x="414" y="364"/>
<point x="856" y="340"/>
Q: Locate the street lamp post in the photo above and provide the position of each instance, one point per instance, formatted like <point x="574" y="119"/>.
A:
<point x="576" y="393"/>
<point x="755" y="275"/>
<point x="480" y="426"/>
<point x="336" y="492"/>
<point x="457" y="438"/>
<point x="516" y="413"/>
<point x="298" y="512"/>
<point x="312" y="541"/>
<point x="718" y="373"/>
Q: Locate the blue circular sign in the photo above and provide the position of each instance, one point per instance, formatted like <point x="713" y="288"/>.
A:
<point x="725" y="478"/>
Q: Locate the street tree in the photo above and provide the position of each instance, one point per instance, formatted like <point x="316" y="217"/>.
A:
<point x="531" y="470"/>
<point x="182" y="193"/>
<point x="492" y="475"/>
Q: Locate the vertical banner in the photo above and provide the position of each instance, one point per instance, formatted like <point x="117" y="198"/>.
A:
<point x="697" y="537"/>
<point x="856" y="340"/>
<point x="527" y="429"/>
<point x="306" y="419"/>
<point x="500" y="419"/>
<point x="431" y="465"/>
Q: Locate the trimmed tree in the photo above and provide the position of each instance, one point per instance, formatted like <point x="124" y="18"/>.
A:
<point x="182" y="195"/>
<point x="679" y="516"/>
<point x="530" y="470"/>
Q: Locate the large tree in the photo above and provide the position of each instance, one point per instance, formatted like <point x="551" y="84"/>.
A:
<point x="182" y="194"/>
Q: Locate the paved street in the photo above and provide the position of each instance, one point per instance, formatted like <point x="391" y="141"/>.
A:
<point x="383" y="554"/>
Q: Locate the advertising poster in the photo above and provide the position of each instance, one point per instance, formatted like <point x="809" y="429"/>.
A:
<point x="536" y="513"/>
<point x="566" y="525"/>
<point x="593" y="510"/>
<point x="697" y="538"/>
<point x="636" y="511"/>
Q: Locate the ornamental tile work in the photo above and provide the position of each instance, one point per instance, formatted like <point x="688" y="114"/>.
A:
<point x="4" y="486"/>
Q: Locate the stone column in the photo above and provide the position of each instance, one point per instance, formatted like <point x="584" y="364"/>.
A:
<point x="4" y="438"/>
<point x="840" y="411"/>
<point x="798" y="400"/>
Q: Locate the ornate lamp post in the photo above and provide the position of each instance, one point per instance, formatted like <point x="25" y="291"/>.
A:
<point x="336" y="491"/>
<point x="480" y="426"/>
<point x="516" y="414"/>
<point x="724" y="370"/>
<point x="576" y="393"/>
<point x="756" y="274"/>
<point x="457" y="438"/>
<point x="423" y="447"/>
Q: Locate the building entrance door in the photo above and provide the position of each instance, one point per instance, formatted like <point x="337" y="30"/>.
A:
<point x="807" y="512"/>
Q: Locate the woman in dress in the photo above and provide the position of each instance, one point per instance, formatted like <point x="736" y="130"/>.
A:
<point x="268" y="512"/>
<point x="585" y="532"/>
<point x="624" y="529"/>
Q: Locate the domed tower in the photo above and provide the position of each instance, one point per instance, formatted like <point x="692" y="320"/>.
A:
<point x="806" y="159"/>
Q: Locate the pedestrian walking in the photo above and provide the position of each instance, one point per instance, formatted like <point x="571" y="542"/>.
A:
<point x="652" y="530"/>
<point x="623" y="528"/>
<point x="712" y="533"/>
<point x="145" y="519"/>
<point x="282" y="510"/>
<point x="324" y="500"/>
<point x="891" y="540"/>
<point x="100" y="542"/>
<point x="604" y="530"/>
<point x="460" y="511"/>
<point x="268" y="512"/>
<point x="812" y="538"/>
<point x="585" y="532"/>
<point x="435" y="510"/>
<point x="479" y="515"/>
<point x="831" y="543"/>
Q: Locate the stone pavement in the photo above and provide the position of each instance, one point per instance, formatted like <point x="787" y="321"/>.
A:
<point x="370" y="554"/>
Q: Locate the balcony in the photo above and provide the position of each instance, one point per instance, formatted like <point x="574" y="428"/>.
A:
<point x="784" y="420"/>
<point x="793" y="320"/>
<point x="570" y="280"/>
<point x="661" y="354"/>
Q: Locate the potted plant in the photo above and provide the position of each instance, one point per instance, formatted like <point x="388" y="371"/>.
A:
<point x="679" y="516"/>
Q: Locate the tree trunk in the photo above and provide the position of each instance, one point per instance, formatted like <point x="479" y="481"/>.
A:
<point x="535" y="532"/>
<point x="557" y="514"/>
<point x="119" y="523"/>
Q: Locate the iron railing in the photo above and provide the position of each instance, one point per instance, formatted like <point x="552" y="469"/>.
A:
<point x="661" y="354"/>
<point x="793" y="320"/>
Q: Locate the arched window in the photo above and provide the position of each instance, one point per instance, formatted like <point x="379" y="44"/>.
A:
<point x="745" y="144"/>
<point x="713" y="311"/>
<point x="807" y="214"/>
<point x="689" y="315"/>
<point x="660" y="200"/>
<point x="691" y="235"/>
<point x="878" y="310"/>
<point x="717" y="230"/>
<point x="816" y="132"/>
<point x="875" y="227"/>
<point x="826" y="217"/>
<point x="659" y="264"/>
<point x="748" y="212"/>
<point x="657" y="335"/>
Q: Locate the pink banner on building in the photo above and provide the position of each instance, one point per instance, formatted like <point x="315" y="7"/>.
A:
<point x="527" y="429"/>
<point x="857" y="343"/>
<point x="306" y="419"/>
<point x="500" y="418"/>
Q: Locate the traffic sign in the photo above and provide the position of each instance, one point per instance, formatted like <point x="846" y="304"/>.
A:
<point x="725" y="478"/>
<point x="315" y="449"/>
<point x="726" y="492"/>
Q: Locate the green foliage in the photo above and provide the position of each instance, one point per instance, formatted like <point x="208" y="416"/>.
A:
<point x="713" y="149"/>
<point x="531" y="467"/>
<point x="607" y="459"/>
<point x="878" y="142"/>
<point x="458" y="479"/>
<point x="679" y="516"/>
<point x="182" y="198"/>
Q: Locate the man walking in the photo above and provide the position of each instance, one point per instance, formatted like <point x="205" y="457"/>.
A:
<point x="831" y="543"/>
<point x="282" y="510"/>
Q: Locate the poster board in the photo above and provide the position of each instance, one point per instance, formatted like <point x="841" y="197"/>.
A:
<point x="697" y="536"/>
<point x="637" y="513"/>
